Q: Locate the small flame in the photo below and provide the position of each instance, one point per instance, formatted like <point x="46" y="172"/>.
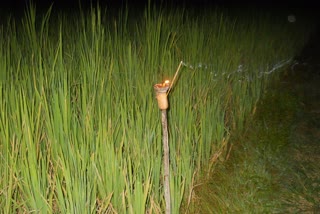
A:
<point x="166" y="83"/>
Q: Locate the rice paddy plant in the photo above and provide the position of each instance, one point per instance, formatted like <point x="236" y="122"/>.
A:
<point x="79" y="127"/>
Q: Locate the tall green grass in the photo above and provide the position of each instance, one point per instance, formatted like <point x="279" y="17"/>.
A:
<point x="80" y="128"/>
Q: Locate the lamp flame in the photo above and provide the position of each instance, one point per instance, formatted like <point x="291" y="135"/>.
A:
<point x="166" y="83"/>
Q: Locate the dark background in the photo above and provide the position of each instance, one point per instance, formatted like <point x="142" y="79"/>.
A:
<point x="65" y="4"/>
<point x="17" y="8"/>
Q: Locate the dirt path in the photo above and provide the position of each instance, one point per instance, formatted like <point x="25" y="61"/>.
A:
<point x="301" y="179"/>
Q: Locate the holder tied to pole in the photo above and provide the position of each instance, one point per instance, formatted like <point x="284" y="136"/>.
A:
<point x="161" y="94"/>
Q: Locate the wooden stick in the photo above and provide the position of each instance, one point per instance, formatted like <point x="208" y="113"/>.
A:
<point x="174" y="77"/>
<point x="166" y="164"/>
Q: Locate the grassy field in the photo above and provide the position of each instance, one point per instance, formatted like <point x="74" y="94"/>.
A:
<point x="79" y="125"/>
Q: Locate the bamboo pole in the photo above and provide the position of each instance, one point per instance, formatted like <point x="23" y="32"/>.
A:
<point x="166" y="162"/>
<point x="161" y="95"/>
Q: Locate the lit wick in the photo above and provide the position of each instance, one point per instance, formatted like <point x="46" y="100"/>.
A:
<point x="166" y="83"/>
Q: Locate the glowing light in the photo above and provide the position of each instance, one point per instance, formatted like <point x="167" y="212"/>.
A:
<point x="166" y="83"/>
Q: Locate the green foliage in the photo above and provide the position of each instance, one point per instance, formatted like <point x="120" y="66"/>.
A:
<point x="79" y="126"/>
